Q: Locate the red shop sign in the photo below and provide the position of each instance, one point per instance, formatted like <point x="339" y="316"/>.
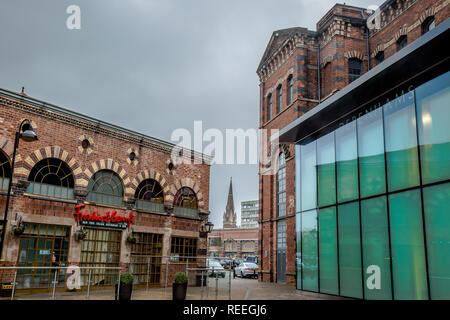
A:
<point x="110" y="219"/>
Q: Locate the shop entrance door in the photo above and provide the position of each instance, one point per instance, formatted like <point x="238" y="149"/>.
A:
<point x="146" y="255"/>
<point x="281" y="251"/>
<point x="100" y="248"/>
<point x="42" y="246"/>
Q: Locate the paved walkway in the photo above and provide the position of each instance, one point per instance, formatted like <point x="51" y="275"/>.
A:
<point x="242" y="289"/>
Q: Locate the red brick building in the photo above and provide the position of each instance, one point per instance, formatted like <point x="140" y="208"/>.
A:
<point x="109" y="170"/>
<point x="301" y="68"/>
<point x="233" y="243"/>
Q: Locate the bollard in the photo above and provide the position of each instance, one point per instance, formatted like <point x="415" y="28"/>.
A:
<point x="118" y="287"/>
<point x="14" y="286"/>
<point x="217" y="285"/>
<point x="54" y="285"/>
<point x="89" y="284"/>
<point x="229" y="286"/>
<point x="201" y="285"/>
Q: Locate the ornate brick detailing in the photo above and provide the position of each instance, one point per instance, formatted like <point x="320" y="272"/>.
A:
<point x="185" y="182"/>
<point x="150" y="174"/>
<point x="7" y="146"/>
<point x="402" y="32"/>
<point x="109" y="164"/>
<point x="428" y="13"/>
<point x="355" y="54"/>
<point x="88" y="148"/>
<point x="135" y="160"/>
<point x="23" y="168"/>
<point x="378" y="48"/>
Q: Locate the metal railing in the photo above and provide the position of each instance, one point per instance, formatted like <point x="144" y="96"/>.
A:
<point x="55" y="277"/>
<point x="151" y="273"/>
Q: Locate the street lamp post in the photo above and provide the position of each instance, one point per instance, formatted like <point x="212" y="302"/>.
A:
<point x="27" y="135"/>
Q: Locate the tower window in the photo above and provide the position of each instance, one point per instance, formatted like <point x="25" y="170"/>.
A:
<point x="354" y="69"/>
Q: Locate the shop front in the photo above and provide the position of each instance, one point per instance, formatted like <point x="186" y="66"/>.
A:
<point x="373" y="181"/>
<point x="42" y="245"/>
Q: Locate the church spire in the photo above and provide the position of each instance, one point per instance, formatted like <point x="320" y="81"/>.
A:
<point x="229" y="217"/>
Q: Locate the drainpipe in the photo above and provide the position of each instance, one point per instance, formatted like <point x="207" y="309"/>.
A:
<point x="318" y="67"/>
<point x="367" y="41"/>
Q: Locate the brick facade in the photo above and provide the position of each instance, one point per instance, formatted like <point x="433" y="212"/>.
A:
<point x="235" y="242"/>
<point x="341" y="35"/>
<point x="61" y="133"/>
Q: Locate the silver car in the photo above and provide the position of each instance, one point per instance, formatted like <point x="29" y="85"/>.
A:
<point x="214" y="267"/>
<point x="246" y="269"/>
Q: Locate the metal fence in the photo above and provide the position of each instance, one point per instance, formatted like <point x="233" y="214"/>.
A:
<point x="153" y="277"/>
<point x="56" y="278"/>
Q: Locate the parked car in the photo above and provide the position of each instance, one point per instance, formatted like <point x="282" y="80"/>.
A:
<point x="236" y="262"/>
<point x="246" y="269"/>
<point x="253" y="259"/>
<point x="214" y="267"/>
<point x="226" y="263"/>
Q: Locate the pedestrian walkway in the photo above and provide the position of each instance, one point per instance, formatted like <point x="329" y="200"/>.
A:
<point x="241" y="289"/>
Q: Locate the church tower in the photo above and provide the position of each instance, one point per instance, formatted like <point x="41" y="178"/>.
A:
<point x="229" y="217"/>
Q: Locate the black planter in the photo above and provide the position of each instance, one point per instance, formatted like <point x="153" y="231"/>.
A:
<point x="179" y="291"/>
<point x="125" y="291"/>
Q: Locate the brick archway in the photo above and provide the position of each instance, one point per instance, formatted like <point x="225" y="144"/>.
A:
<point x="24" y="167"/>
<point x="185" y="182"/>
<point x="7" y="146"/>
<point x="108" y="164"/>
<point x="150" y="174"/>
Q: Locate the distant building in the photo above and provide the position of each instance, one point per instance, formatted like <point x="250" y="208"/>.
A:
<point x="249" y="214"/>
<point x="229" y="217"/>
<point x="232" y="241"/>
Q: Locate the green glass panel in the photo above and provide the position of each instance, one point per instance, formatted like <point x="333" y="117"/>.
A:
<point x="372" y="175"/>
<point x="309" y="251"/>
<point x="308" y="176"/>
<point x="328" y="255"/>
<point x="350" y="250"/>
<point x="401" y="143"/>
<point x="407" y="245"/>
<point x="326" y="178"/>
<point x="347" y="164"/>
<point x="433" y="101"/>
<point x="375" y="242"/>
<point x="298" y="251"/>
<point x="437" y="225"/>
<point x="371" y="154"/>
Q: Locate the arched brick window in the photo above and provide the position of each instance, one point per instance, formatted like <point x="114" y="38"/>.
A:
<point x="402" y="42"/>
<point x="149" y="196"/>
<point x="290" y="91"/>
<point x="281" y="185"/>
<point x="269" y="107"/>
<point x="186" y="202"/>
<point x="354" y="69"/>
<point x="428" y="25"/>
<point x="279" y="98"/>
<point x="105" y="187"/>
<point x="51" y="177"/>
<point x="5" y="171"/>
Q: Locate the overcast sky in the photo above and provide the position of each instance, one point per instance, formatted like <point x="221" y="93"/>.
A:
<point x="153" y="65"/>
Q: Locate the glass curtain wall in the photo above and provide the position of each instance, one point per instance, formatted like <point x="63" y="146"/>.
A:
<point x="373" y="199"/>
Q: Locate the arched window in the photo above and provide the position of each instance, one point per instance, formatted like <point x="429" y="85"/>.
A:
<point x="379" y="57"/>
<point x="402" y="42"/>
<point x="5" y="171"/>
<point x="428" y="24"/>
<point x="51" y="177"/>
<point x="185" y="202"/>
<point x="281" y="185"/>
<point x="354" y="69"/>
<point x="149" y="196"/>
<point x="290" y="88"/>
<point x="269" y="107"/>
<point x="105" y="187"/>
<point x="280" y="98"/>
